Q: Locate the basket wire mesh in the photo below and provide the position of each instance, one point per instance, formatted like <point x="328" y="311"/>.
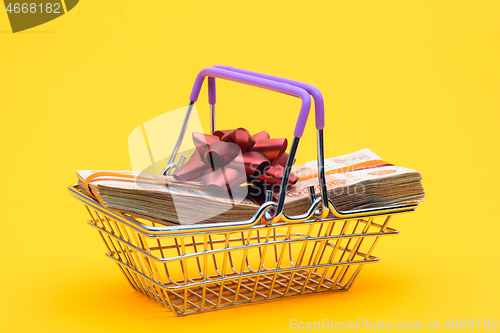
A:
<point x="196" y="272"/>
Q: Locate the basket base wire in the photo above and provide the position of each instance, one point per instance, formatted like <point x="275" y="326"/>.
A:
<point x="239" y="291"/>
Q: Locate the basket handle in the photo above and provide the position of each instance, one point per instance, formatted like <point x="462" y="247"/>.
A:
<point x="283" y="88"/>
<point x="289" y="87"/>
<point x="319" y="103"/>
<point x="320" y="124"/>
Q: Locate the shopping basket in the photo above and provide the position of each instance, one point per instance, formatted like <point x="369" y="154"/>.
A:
<point x="196" y="268"/>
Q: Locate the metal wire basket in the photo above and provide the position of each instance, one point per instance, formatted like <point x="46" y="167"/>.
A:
<point x="195" y="268"/>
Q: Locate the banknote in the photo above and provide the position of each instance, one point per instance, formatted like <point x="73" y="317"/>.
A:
<point x="362" y="159"/>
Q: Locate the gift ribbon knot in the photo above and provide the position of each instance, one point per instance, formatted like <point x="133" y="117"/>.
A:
<point x="230" y="158"/>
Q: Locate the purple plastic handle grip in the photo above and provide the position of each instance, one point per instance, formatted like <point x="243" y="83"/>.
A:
<point x="283" y="88"/>
<point x="211" y="90"/>
<point x="315" y="93"/>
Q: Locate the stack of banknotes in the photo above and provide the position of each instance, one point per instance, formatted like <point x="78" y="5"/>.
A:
<point x="354" y="181"/>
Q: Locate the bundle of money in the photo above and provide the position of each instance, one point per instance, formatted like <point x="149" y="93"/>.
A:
<point x="354" y="181"/>
<point x="358" y="189"/>
<point x="162" y="199"/>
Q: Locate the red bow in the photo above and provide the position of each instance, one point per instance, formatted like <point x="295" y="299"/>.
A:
<point x="242" y="157"/>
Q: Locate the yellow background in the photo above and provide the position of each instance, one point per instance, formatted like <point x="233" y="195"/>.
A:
<point x="415" y="81"/>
